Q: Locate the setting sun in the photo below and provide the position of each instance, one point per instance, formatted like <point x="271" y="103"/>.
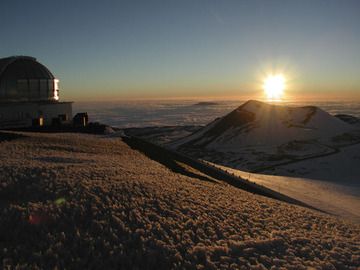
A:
<point x="274" y="86"/>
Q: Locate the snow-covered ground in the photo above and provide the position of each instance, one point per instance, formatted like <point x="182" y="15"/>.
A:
<point x="338" y="198"/>
<point x="342" y="168"/>
<point x="80" y="201"/>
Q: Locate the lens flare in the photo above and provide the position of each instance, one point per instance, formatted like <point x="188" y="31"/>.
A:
<point x="60" y="201"/>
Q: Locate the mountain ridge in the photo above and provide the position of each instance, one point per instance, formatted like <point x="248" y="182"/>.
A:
<point x="259" y="123"/>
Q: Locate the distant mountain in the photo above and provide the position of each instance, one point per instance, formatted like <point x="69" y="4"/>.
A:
<point x="206" y="103"/>
<point x="352" y="120"/>
<point x="257" y="123"/>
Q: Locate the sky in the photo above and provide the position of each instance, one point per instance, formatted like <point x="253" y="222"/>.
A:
<point x="114" y="50"/>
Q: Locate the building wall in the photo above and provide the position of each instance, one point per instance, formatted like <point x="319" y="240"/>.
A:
<point x="21" y="114"/>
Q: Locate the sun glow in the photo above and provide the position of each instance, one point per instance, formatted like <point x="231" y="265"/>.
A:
<point x="274" y="86"/>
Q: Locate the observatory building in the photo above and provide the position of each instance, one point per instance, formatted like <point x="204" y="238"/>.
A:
<point x="29" y="94"/>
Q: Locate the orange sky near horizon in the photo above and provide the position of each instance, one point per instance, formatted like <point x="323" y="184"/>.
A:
<point x="291" y="95"/>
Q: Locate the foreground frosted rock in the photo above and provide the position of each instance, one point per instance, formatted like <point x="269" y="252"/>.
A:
<point x="86" y="202"/>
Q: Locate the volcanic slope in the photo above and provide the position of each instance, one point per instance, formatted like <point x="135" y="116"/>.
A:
<point x="257" y="123"/>
<point x="90" y="202"/>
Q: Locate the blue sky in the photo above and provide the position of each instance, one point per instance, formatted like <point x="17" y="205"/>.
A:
<point x="104" y="50"/>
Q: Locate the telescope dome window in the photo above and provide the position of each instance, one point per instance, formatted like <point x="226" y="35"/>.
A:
<point x="34" y="84"/>
<point x="12" y="92"/>
<point x="22" y="85"/>
<point x="43" y="88"/>
<point x="51" y="85"/>
<point x="43" y="85"/>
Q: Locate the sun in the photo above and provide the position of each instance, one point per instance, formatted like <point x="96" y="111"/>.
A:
<point x="274" y="86"/>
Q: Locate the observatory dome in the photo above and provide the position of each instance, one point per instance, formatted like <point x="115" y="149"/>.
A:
<point x="23" y="78"/>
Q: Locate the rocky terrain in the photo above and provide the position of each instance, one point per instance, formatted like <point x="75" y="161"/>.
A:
<point x="91" y="202"/>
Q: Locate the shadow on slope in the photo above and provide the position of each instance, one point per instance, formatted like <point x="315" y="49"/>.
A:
<point x="166" y="160"/>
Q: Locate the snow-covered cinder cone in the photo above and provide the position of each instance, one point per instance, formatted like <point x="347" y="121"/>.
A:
<point x="260" y="124"/>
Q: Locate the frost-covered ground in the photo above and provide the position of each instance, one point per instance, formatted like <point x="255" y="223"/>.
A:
<point x="88" y="202"/>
